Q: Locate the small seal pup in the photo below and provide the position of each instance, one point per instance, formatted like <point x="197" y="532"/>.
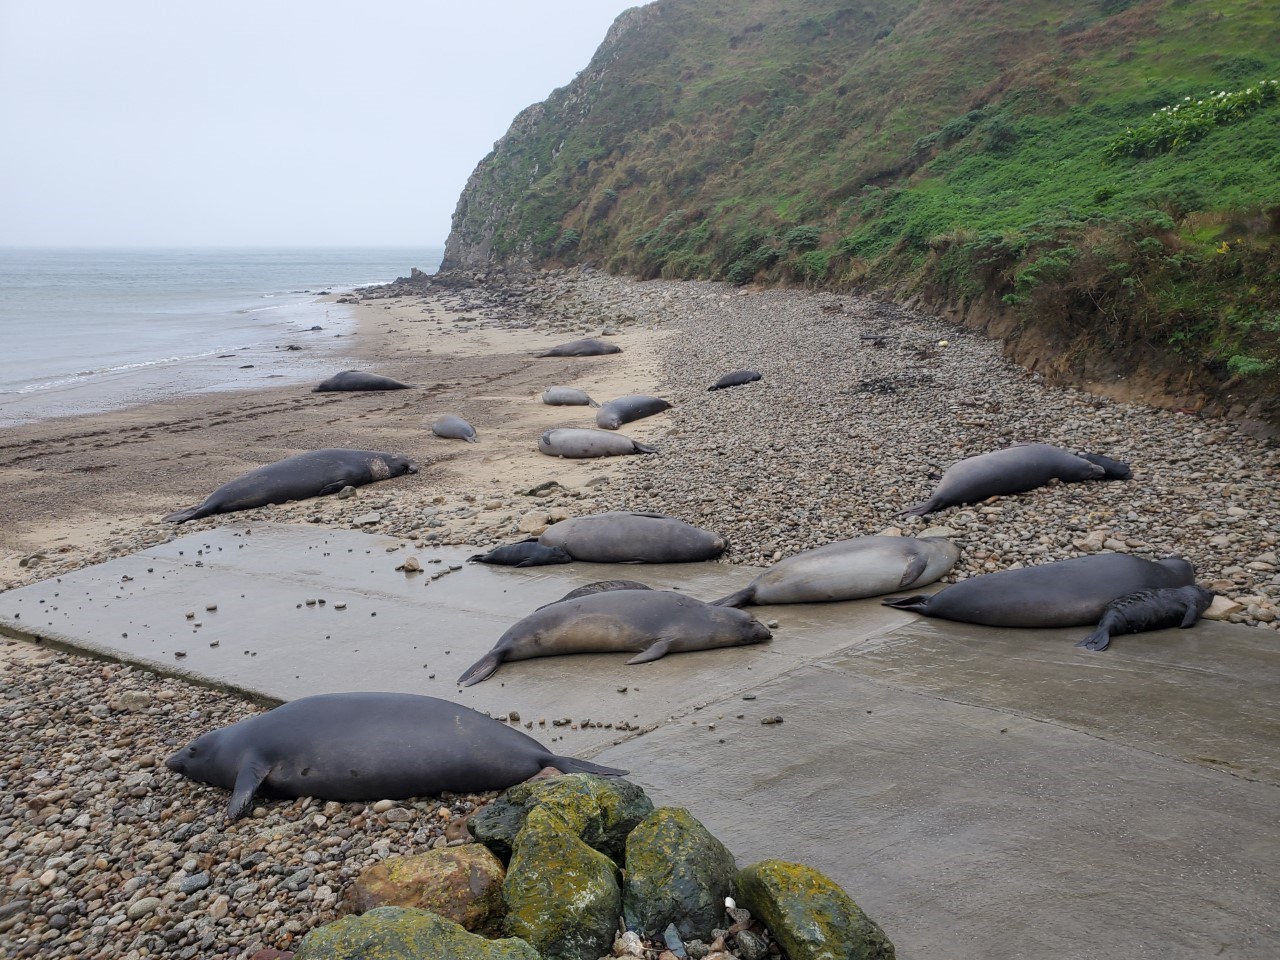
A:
<point x="1149" y="610"/>
<point x="586" y="347"/>
<point x="649" y="623"/>
<point x="450" y="427"/>
<point x="625" y="409"/>
<point x="735" y="378"/>
<point x="523" y="553"/>
<point x="576" y="443"/>
<point x="366" y="746"/>
<point x="850" y="570"/>
<point x="567" y="397"/>
<point x="1065" y="593"/>
<point x="353" y="380"/>
<point x="312" y="474"/>
<point x="1015" y="469"/>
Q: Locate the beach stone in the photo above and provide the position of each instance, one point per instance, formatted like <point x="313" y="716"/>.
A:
<point x="533" y="523"/>
<point x="1221" y="608"/>
<point x="677" y="873"/>
<point x="562" y="896"/>
<point x="810" y="917"/>
<point x="403" y="933"/>
<point x="601" y="811"/>
<point x="143" y="907"/>
<point x="462" y="884"/>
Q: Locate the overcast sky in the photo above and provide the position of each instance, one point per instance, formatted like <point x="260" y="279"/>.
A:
<point x="265" y="122"/>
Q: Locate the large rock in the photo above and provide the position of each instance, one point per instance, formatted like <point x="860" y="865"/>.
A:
<point x="402" y="933"/>
<point x="562" y="896"/>
<point x="677" y="872"/>
<point x="600" y="810"/>
<point x="462" y="884"/>
<point x="809" y="916"/>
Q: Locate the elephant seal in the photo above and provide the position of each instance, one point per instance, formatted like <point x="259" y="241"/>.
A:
<point x="567" y="397"/>
<point x="850" y="570"/>
<point x="1015" y="469"/>
<point x="356" y="380"/>
<point x="650" y="623"/>
<point x="524" y="553"/>
<point x="586" y="347"/>
<point x="450" y="427"/>
<point x="1065" y="593"/>
<point x="312" y="474"/>
<point x="366" y="746"/>
<point x="735" y="378"/>
<point x="600" y="586"/>
<point x="625" y="409"/>
<point x="1149" y="610"/>
<point x="576" y="443"/>
<point x="622" y="537"/>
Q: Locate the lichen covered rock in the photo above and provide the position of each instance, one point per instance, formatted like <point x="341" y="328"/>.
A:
<point x="677" y="872"/>
<point x="601" y="811"/>
<point x="808" y="914"/>
<point x="462" y="884"/>
<point x="562" y="896"/>
<point x="403" y="933"/>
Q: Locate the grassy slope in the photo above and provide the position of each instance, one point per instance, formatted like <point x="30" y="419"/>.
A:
<point x="957" y="148"/>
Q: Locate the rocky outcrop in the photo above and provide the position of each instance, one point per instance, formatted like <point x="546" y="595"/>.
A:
<point x="399" y="933"/>
<point x="462" y="884"/>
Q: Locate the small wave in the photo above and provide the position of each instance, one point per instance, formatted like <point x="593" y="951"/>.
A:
<point x="122" y="368"/>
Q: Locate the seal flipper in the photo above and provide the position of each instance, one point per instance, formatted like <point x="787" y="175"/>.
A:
<point x="739" y="599"/>
<point x="573" y="765"/>
<point x="181" y="516"/>
<point x="643" y="447"/>
<point x="916" y="567"/>
<point x="656" y="651"/>
<point x="1100" y="639"/>
<point x="916" y="603"/>
<point x="252" y="772"/>
<point x="919" y="509"/>
<point x="482" y="669"/>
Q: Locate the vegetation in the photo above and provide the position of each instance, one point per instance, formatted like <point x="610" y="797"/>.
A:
<point x="1059" y="158"/>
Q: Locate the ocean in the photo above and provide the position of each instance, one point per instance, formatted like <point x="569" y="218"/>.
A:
<point x="86" y="331"/>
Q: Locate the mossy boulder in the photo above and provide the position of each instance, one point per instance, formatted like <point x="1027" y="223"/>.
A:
<point x="404" y="933"/>
<point x="601" y="811"/>
<point x="677" y="872"/>
<point x="462" y="884"/>
<point x="808" y="914"/>
<point x="562" y="896"/>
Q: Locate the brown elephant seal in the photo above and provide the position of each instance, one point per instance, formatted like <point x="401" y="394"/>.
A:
<point x="1015" y="469"/>
<point x="615" y="413"/>
<point x="1065" y="593"/>
<point x="523" y="553"/>
<point x="450" y="427"/>
<point x="366" y="746"/>
<point x="567" y="397"/>
<point x="649" y="623"/>
<point x="631" y="537"/>
<point x="600" y="586"/>
<point x="735" y="378"/>
<point x="850" y="570"/>
<point x="586" y="347"/>
<point x="1149" y="610"/>
<point x="312" y="474"/>
<point x="353" y="380"/>
<point x="576" y="443"/>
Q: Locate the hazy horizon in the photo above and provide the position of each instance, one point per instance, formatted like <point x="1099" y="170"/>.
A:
<point x="144" y="124"/>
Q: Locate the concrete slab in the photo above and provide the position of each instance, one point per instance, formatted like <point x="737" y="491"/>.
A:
<point x="982" y="793"/>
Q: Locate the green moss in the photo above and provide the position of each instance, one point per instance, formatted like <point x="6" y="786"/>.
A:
<point x="400" y="933"/>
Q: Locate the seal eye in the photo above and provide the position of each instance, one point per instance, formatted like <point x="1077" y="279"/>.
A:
<point x="191" y="752"/>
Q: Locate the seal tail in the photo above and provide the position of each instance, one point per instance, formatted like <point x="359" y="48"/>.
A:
<point x="918" y="510"/>
<point x="739" y="599"/>
<point x="915" y="603"/>
<point x="1100" y="639"/>
<point x="181" y="516"/>
<point x="482" y="669"/>
<point x="643" y="447"/>
<point x="573" y="765"/>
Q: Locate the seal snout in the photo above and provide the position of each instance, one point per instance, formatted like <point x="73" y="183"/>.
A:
<point x="175" y="763"/>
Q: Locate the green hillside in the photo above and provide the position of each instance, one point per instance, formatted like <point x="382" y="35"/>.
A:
<point x="1107" y="171"/>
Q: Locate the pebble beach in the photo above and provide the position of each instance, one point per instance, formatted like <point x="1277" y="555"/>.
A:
<point x="862" y="405"/>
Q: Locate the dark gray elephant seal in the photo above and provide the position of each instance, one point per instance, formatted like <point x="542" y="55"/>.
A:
<point x="850" y="570"/>
<point x="625" y="409"/>
<point x="450" y="427"/>
<point x="630" y="537"/>
<point x="357" y="380"/>
<point x="366" y="746"/>
<point x="600" y="586"/>
<point x="1066" y="593"/>
<point x="575" y="443"/>
<point x="650" y="623"/>
<point x="523" y="553"/>
<point x="1149" y="610"/>
<point x="312" y="474"/>
<point x="586" y="347"/>
<point x="735" y="378"/>
<point x="1015" y="469"/>
<point x="567" y="397"/>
